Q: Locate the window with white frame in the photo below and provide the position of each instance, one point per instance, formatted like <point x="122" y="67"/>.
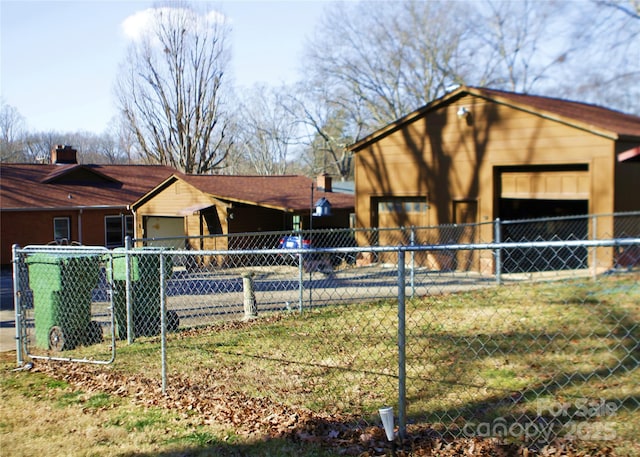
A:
<point x="61" y="229"/>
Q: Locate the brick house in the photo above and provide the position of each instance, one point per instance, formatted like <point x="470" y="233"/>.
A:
<point x="65" y="201"/>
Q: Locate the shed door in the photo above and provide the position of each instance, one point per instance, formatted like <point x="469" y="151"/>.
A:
<point x="165" y="227"/>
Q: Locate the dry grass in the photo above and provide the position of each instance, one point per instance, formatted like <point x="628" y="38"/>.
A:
<point x="477" y="355"/>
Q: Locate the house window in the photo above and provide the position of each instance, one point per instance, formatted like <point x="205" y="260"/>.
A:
<point x="116" y="229"/>
<point x="61" y="229"/>
<point x="296" y="222"/>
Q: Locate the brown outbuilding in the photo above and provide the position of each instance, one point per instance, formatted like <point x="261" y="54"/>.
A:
<point x="478" y="154"/>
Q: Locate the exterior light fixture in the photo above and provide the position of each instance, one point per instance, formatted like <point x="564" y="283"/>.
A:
<point x="463" y="112"/>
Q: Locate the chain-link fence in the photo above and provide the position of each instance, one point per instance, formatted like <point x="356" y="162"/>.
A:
<point x="63" y="303"/>
<point x="464" y="336"/>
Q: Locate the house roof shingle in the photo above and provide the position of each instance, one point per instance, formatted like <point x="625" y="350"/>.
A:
<point x="283" y="192"/>
<point x="38" y="186"/>
<point x="599" y="120"/>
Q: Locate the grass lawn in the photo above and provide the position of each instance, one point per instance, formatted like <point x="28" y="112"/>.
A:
<point x="565" y="354"/>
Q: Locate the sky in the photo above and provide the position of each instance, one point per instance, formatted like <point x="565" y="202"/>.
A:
<point x="59" y="59"/>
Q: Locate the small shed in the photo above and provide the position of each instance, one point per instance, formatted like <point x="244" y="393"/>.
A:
<point x="478" y="154"/>
<point x="195" y="207"/>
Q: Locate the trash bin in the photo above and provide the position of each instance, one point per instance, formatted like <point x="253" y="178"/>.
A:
<point x="62" y="285"/>
<point x="145" y="291"/>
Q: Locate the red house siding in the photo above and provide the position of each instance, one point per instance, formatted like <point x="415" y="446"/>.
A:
<point x="87" y="227"/>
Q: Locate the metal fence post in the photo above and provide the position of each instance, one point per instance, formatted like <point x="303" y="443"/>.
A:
<point x="300" y="283"/>
<point x="594" y="236"/>
<point x="413" y="262"/>
<point x="402" y="381"/>
<point x="17" y="304"/>
<point x="128" y="290"/>
<point x="498" y="251"/>
<point x="163" y="322"/>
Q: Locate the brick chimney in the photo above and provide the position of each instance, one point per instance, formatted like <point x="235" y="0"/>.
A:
<point x="62" y="155"/>
<point x="324" y="182"/>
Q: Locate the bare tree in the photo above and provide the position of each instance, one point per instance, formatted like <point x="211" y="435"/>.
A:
<point x="517" y="43"/>
<point x="268" y="130"/>
<point x="378" y="61"/>
<point x="323" y="130"/>
<point x="170" y="90"/>
<point x="122" y="147"/>
<point x="12" y="134"/>
<point x="381" y="60"/>
<point x="38" y="145"/>
<point x="95" y="148"/>
<point x="629" y="7"/>
<point x="606" y="69"/>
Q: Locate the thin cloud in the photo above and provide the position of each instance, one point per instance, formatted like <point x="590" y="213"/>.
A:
<point x="138" y="24"/>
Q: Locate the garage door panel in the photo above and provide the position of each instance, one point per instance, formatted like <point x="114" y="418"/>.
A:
<point x="545" y="185"/>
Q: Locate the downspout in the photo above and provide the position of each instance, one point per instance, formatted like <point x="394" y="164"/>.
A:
<point x="135" y="222"/>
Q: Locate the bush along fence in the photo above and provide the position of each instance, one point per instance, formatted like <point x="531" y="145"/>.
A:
<point x="524" y="340"/>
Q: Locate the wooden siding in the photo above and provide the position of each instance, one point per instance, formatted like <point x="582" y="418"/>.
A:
<point x="443" y="156"/>
<point x="449" y="159"/>
<point x="174" y="200"/>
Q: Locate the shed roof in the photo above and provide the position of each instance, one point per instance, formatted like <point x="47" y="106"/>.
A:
<point x="283" y="192"/>
<point x="44" y="186"/>
<point x="595" y="119"/>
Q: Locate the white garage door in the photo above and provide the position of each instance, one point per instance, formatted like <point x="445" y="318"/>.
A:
<point x="165" y="227"/>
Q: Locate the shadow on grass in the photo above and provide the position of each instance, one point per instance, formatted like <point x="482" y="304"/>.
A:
<point x="277" y="447"/>
<point x="550" y="407"/>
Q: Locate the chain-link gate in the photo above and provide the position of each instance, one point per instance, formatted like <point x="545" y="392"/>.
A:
<point x="63" y="302"/>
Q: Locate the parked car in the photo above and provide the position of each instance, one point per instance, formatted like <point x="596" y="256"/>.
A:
<point x="328" y="239"/>
<point x="294" y="242"/>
